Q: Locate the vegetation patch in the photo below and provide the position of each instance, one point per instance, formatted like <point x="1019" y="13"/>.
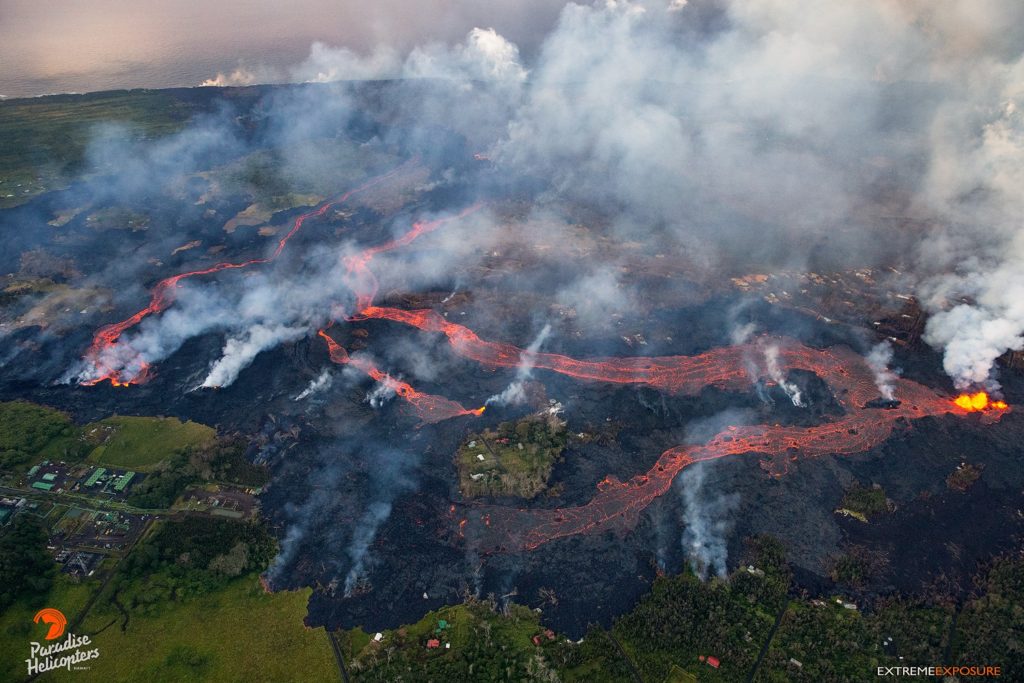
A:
<point x="43" y="140"/>
<point x="684" y="619"/>
<point x="140" y="443"/>
<point x="963" y="477"/>
<point x="224" y="460"/>
<point x="862" y="502"/>
<point x="990" y="629"/>
<point x="469" y="642"/>
<point x="188" y="558"/>
<point x="858" y="565"/>
<point x="30" y="432"/>
<point x="237" y="632"/>
<point x="826" y="640"/>
<point x="25" y="567"/>
<point x="117" y="218"/>
<point x="262" y="211"/>
<point x="514" y="460"/>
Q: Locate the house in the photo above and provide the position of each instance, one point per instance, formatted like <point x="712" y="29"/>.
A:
<point x="433" y="643"/>
<point x="710" y="660"/>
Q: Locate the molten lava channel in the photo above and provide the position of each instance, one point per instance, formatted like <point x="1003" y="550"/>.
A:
<point x="107" y="360"/>
<point x="616" y="504"/>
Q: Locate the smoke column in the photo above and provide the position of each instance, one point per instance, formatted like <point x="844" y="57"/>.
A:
<point x="514" y="393"/>
<point x="880" y="358"/>
<point x="771" y="357"/>
<point x="708" y="522"/>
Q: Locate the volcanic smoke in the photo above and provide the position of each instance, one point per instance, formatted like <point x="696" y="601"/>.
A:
<point x="106" y="360"/>
<point x="616" y="505"/>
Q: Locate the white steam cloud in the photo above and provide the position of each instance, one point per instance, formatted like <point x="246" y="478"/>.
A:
<point x="771" y="359"/>
<point x="391" y="475"/>
<point x="708" y="521"/>
<point x="365" y="532"/>
<point x="879" y="359"/>
<point x="515" y="393"/>
<point x="725" y="128"/>
<point x="381" y="393"/>
<point x="319" y="384"/>
<point x="240" y="351"/>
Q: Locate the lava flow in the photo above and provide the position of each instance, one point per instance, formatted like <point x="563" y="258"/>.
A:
<point x="617" y="504"/>
<point x="361" y="279"/>
<point x="106" y="360"/>
<point x="427" y="407"/>
<point x="684" y="374"/>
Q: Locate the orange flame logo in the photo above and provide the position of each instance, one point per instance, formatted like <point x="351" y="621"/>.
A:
<point x="980" y="401"/>
<point x="55" y="618"/>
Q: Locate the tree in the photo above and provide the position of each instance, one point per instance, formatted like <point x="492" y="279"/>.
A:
<point x="25" y="566"/>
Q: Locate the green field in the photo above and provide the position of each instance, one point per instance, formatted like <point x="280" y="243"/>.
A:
<point x="30" y="433"/>
<point x="239" y="633"/>
<point x="865" y="502"/>
<point x="140" y="443"/>
<point x="43" y="140"/>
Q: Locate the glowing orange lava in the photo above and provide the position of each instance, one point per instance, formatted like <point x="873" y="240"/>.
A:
<point x="428" y="407"/>
<point x="616" y="504"/>
<point x="363" y="283"/>
<point x="121" y="366"/>
<point x="979" y="401"/>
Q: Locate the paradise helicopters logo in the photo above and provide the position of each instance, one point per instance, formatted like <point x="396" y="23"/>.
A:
<point x="59" y="654"/>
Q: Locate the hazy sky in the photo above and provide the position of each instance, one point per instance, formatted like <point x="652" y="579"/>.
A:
<point x="84" y="45"/>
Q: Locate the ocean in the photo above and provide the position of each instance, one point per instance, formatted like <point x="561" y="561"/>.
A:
<point x="51" y="46"/>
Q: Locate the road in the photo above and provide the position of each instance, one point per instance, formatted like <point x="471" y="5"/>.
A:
<point x="767" y="643"/>
<point x="338" y="656"/>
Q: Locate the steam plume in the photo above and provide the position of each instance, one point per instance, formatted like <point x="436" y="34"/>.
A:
<point x="771" y="358"/>
<point x="708" y="521"/>
<point x="514" y="393"/>
<point x="320" y="383"/>
<point x="240" y="351"/>
<point x="880" y="359"/>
